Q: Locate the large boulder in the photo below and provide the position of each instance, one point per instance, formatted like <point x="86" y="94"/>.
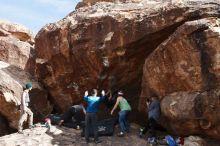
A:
<point x="105" y="46"/>
<point x="17" y="66"/>
<point x="16" y="46"/>
<point x="16" y="30"/>
<point x="192" y="113"/>
<point x="187" y="61"/>
<point x="11" y="87"/>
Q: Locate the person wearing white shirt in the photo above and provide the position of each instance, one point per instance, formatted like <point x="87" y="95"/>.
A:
<point x="25" y="110"/>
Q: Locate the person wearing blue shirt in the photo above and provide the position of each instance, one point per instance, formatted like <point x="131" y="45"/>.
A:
<point x="93" y="103"/>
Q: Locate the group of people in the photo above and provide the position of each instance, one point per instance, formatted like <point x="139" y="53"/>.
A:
<point x="93" y="102"/>
<point x="90" y="114"/>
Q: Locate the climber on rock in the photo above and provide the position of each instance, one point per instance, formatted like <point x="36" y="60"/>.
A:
<point x="25" y="110"/>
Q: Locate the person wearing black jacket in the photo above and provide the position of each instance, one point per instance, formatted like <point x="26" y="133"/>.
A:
<point x="76" y="114"/>
<point x="154" y="113"/>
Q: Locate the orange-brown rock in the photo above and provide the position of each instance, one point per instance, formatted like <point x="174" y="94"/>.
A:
<point x="11" y="87"/>
<point x="92" y="2"/>
<point x="187" y="62"/>
<point x="105" y="46"/>
<point x="18" y="31"/>
<point x="4" y="127"/>
<point x="17" y="62"/>
<point x="16" y="46"/>
<point x="192" y="113"/>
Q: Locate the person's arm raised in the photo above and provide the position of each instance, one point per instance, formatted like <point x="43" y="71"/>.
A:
<point x="86" y="95"/>
<point x="102" y="95"/>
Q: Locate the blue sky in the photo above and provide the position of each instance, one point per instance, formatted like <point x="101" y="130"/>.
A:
<point x="34" y="14"/>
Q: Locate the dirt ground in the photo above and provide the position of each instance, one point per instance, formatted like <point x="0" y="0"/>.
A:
<point x="61" y="136"/>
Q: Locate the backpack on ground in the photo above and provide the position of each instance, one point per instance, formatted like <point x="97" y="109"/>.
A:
<point x="170" y="140"/>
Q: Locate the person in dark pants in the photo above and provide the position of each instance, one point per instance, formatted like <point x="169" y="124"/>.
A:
<point x="93" y="103"/>
<point x="153" y="118"/>
<point x="76" y="114"/>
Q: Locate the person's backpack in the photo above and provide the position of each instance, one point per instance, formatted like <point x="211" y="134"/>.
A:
<point x="170" y="140"/>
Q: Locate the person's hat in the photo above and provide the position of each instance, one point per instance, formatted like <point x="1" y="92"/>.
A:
<point x="28" y="85"/>
<point x="120" y="93"/>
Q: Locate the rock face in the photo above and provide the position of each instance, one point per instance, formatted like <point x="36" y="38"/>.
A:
<point x="187" y="61"/>
<point x="20" y="32"/>
<point x="92" y="2"/>
<point x="11" y="87"/>
<point x="105" y="46"/>
<point x="4" y="127"/>
<point x="192" y="113"/>
<point x="198" y="141"/>
<point x="17" y="67"/>
<point x="16" y="46"/>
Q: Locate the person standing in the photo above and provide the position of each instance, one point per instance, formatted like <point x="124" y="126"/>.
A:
<point x="93" y="103"/>
<point x="25" y="110"/>
<point x="125" y="108"/>
<point x="154" y="113"/>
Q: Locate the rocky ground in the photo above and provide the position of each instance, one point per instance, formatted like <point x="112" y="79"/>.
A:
<point x="61" y="136"/>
